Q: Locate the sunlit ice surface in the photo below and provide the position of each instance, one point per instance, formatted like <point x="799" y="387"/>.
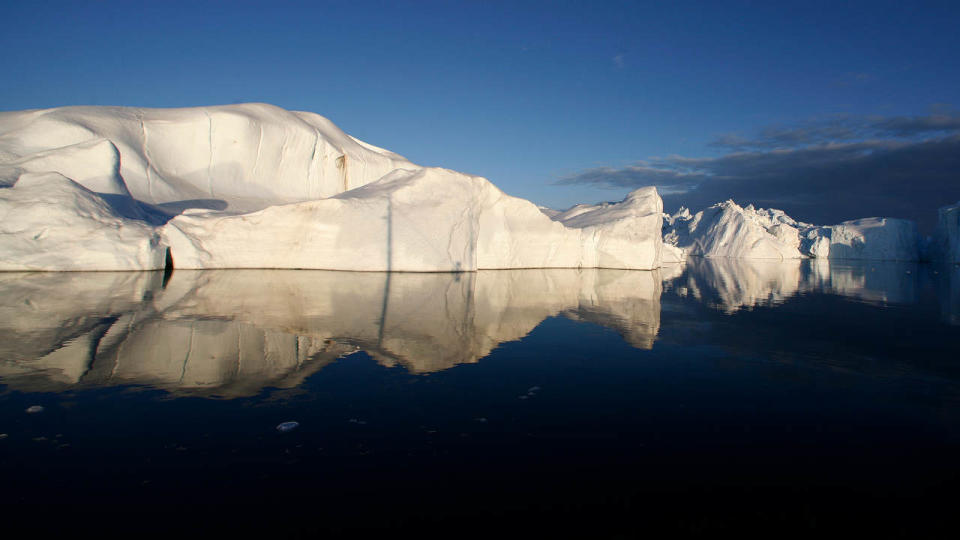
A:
<point x="800" y="396"/>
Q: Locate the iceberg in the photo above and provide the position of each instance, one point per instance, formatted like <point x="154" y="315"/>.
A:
<point x="868" y="238"/>
<point x="256" y="186"/>
<point x="946" y="240"/>
<point x="727" y="230"/>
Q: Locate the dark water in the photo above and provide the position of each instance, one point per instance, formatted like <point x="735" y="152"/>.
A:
<point x="786" y="398"/>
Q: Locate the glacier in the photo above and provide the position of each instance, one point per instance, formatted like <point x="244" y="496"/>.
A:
<point x="256" y="186"/>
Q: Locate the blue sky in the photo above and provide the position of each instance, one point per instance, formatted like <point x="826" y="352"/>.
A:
<point x="558" y="102"/>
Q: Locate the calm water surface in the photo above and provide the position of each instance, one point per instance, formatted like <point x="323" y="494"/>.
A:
<point x="799" y="397"/>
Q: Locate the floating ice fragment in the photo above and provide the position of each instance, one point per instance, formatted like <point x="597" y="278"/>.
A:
<point x="33" y="409"/>
<point x="287" y="426"/>
<point x="533" y="389"/>
<point x="3" y="436"/>
<point x="522" y="397"/>
<point x="482" y="420"/>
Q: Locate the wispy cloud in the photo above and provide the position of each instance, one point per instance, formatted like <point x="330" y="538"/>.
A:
<point x="618" y="61"/>
<point x="825" y="171"/>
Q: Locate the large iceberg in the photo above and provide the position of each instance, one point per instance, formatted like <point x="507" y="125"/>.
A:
<point x="256" y="186"/>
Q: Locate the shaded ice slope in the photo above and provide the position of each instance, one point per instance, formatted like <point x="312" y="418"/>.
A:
<point x="237" y="157"/>
<point x="868" y="238"/>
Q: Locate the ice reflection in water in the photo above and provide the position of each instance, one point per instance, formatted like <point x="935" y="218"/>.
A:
<point x="232" y="333"/>
<point x="734" y="284"/>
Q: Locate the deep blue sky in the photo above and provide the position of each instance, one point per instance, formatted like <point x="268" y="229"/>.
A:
<point x="558" y="102"/>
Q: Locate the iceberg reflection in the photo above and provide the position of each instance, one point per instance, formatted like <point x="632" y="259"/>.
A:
<point x="734" y="284"/>
<point x="232" y="333"/>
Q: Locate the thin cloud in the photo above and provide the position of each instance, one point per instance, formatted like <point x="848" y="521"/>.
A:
<point x="618" y="61"/>
<point x="844" y="128"/>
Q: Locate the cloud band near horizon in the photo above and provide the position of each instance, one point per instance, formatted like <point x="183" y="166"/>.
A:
<point x="823" y="172"/>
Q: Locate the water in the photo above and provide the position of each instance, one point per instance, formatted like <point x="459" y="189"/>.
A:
<point x="796" y="397"/>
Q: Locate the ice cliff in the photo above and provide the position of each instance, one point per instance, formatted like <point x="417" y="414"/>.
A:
<point x="256" y="186"/>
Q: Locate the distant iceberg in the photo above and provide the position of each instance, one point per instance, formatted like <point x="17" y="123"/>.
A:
<point x="946" y="240"/>
<point x="727" y="230"/>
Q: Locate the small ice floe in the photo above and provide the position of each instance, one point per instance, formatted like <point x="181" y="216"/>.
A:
<point x="358" y="421"/>
<point x="482" y="420"/>
<point x="3" y="436"/>
<point x="531" y="392"/>
<point x="34" y="409"/>
<point x="522" y="397"/>
<point x="287" y="426"/>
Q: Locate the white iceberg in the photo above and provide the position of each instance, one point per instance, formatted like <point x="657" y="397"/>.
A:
<point x="873" y="238"/>
<point x="729" y="230"/>
<point x="255" y="186"/>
